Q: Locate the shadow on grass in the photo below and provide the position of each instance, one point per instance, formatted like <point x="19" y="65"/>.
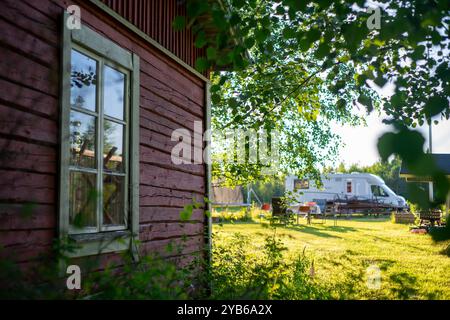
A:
<point x="391" y="240"/>
<point x="405" y="285"/>
<point x="312" y="230"/>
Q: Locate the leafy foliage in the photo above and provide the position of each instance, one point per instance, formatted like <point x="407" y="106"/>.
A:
<point x="240" y="273"/>
<point x="287" y="54"/>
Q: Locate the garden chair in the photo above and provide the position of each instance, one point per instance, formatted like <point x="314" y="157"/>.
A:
<point x="280" y="211"/>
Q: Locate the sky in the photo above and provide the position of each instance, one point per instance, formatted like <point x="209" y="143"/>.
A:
<point x="361" y="142"/>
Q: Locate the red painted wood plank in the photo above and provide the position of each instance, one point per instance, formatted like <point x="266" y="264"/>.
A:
<point x="27" y="125"/>
<point x="178" y="246"/>
<point x="27" y="43"/>
<point x="166" y="74"/>
<point x="31" y="20"/>
<point x="176" y="113"/>
<point x="17" y="186"/>
<point x="99" y="262"/>
<point x="28" y="99"/>
<point x="165" y="144"/>
<point x="154" y="196"/>
<point x="27" y="216"/>
<point x="158" y="231"/>
<point x="159" y="177"/>
<point x="26" y="252"/>
<point x="158" y="214"/>
<point x="191" y="260"/>
<point x="161" y="159"/>
<point x="27" y="237"/>
<point x="155" y="122"/>
<point x="149" y="82"/>
<point x="27" y="156"/>
<point x="19" y="68"/>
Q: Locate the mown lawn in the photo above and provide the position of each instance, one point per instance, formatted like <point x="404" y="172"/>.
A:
<point x="412" y="265"/>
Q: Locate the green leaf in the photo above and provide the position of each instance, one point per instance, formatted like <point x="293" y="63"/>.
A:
<point x="219" y="19"/>
<point x="261" y="34"/>
<point x="179" y="23"/>
<point x="200" y="40"/>
<point x="238" y="3"/>
<point x="341" y="104"/>
<point x="366" y="101"/>
<point x="186" y="213"/>
<point x="211" y="53"/>
<point x="201" y="64"/>
<point x="214" y="88"/>
<point x="313" y="35"/>
<point x="249" y="42"/>
<point x="435" y="105"/>
<point x="289" y="33"/>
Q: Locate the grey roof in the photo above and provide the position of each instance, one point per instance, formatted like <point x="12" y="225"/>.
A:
<point x="442" y="161"/>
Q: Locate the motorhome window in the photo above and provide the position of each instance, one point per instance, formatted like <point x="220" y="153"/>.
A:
<point x="383" y="193"/>
<point x="349" y="186"/>
<point x="377" y="191"/>
<point x="301" y="184"/>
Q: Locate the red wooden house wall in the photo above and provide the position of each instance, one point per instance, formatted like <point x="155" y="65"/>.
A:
<point x="171" y="97"/>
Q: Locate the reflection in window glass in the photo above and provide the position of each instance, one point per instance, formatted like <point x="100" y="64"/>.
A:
<point x="113" y="200"/>
<point x="114" y="92"/>
<point x="82" y="140"/>
<point x="301" y="184"/>
<point x="83" y="81"/>
<point x="383" y="193"/>
<point x="113" y="146"/>
<point x="83" y="199"/>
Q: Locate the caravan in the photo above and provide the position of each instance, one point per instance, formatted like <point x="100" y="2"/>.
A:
<point x="339" y="186"/>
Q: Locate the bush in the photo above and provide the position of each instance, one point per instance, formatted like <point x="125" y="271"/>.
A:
<point x="227" y="215"/>
<point x="242" y="271"/>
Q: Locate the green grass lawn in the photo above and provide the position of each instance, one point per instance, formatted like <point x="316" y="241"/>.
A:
<point x="412" y="265"/>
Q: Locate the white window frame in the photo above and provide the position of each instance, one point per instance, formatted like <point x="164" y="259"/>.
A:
<point x="103" y="239"/>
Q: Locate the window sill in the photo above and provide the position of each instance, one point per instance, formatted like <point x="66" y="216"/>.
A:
<point x="100" y="243"/>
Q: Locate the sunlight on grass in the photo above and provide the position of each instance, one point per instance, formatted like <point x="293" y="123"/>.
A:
<point x="412" y="266"/>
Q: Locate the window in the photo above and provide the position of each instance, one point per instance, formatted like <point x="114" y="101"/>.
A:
<point x="378" y="191"/>
<point x="99" y="142"/>
<point x="349" y="187"/>
<point x="301" y="184"/>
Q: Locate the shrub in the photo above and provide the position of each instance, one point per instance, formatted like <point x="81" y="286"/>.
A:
<point x="242" y="271"/>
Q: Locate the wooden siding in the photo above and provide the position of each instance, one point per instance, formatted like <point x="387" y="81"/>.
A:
<point x="170" y="98"/>
<point x="154" y="17"/>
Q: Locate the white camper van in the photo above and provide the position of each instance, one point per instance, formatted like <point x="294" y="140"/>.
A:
<point x="362" y="186"/>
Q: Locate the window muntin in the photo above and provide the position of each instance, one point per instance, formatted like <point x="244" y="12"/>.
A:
<point x="99" y="99"/>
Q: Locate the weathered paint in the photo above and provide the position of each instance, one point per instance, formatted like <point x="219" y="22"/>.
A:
<point x="171" y="97"/>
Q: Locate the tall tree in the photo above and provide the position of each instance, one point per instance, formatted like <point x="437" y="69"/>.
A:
<point x="302" y="48"/>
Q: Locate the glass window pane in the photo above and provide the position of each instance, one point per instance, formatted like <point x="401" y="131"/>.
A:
<point x="83" y="199"/>
<point x="113" y="200"/>
<point x="114" y="93"/>
<point x="82" y="140"/>
<point x="113" y="146"/>
<point x="83" y="81"/>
